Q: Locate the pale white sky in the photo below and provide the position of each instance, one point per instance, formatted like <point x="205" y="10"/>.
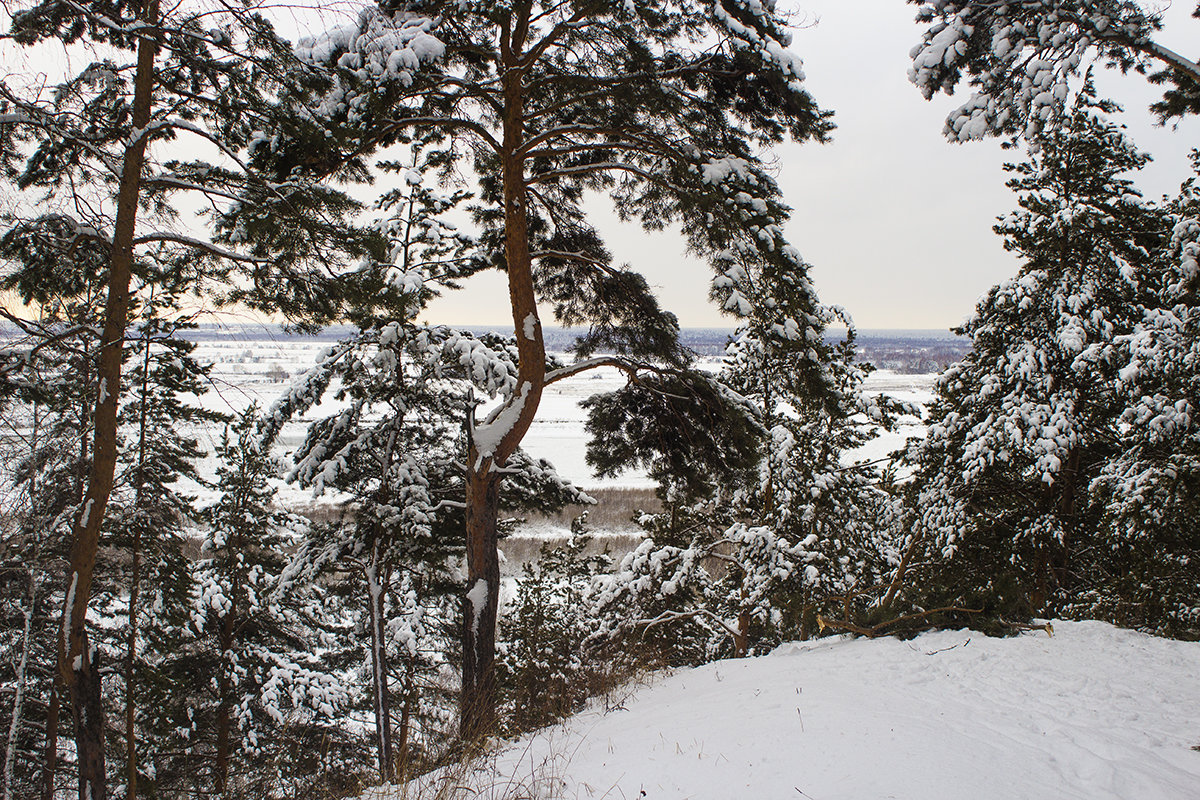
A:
<point x="896" y="222"/>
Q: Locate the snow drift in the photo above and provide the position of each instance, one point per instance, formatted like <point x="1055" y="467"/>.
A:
<point x="1092" y="712"/>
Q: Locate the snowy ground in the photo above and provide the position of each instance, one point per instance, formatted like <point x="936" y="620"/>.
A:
<point x="1094" y="713"/>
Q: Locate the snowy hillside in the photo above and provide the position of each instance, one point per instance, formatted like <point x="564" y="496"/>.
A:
<point x="1094" y="712"/>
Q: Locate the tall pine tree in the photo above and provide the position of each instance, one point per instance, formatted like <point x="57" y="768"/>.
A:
<point x="664" y="107"/>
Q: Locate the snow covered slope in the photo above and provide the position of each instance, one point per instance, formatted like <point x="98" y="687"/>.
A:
<point x="1093" y="712"/>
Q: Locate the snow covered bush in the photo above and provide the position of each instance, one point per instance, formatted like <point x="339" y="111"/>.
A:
<point x="816" y="522"/>
<point x="544" y="670"/>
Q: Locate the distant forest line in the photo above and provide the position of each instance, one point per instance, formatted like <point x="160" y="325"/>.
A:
<point x="910" y="351"/>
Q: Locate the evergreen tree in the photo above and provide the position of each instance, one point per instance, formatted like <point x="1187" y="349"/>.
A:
<point x="813" y="525"/>
<point x="1021" y="57"/>
<point x="1024" y="425"/>
<point x="254" y="672"/>
<point x="664" y="107"/>
<point x="546" y="670"/>
<point x="397" y="449"/>
<point x="149" y="525"/>
<point x="88" y="144"/>
<point x="753" y="556"/>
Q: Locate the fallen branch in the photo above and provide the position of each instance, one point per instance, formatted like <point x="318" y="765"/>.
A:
<point x="1024" y="626"/>
<point x="874" y="630"/>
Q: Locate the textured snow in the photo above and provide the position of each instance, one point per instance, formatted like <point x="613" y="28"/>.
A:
<point x="1093" y="712"/>
<point x="478" y="599"/>
<point x="487" y="435"/>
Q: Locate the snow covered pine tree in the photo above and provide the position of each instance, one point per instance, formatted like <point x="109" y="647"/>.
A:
<point x="49" y="372"/>
<point x="1026" y="422"/>
<point x="254" y="667"/>
<point x="663" y="106"/>
<point x="789" y="529"/>
<point x="174" y="71"/>
<point x="397" y="446"/>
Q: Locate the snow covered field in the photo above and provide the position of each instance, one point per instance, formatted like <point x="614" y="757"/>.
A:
<point x="1093" y="712"/>
<point x="252" y="370"/>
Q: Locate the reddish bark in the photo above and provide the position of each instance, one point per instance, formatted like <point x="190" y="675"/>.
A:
<point x="478" y="700"/>
<point x="77" y="672"/>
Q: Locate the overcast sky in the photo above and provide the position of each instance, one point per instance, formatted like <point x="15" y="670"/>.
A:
<point x="896" y="222"/>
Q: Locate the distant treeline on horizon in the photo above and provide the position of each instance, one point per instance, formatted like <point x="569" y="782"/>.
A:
<point x="902" y="350"/>
<point x="219" y="330"/>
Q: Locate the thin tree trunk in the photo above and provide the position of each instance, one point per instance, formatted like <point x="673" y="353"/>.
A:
<point x="410" y="691"/>
<point x="901" y="571"/>
<point x="379" y="680"/>
<point x="75" y="665"/>
<point x="131" y="760"/>
<point x="224" y="706"/>
<point x="50" y="763"/>
<point x="14" y="728"/>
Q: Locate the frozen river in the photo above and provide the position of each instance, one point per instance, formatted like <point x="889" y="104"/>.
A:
<point x="259" y="370"/>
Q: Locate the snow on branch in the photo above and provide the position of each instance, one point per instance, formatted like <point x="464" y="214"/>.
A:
<point x="378" y="47"/>
<point x="1020" y="56"/>
<point x="199" y="244"/>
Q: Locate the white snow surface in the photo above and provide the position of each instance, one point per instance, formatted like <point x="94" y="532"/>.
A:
<point x="1093" y="712"/>
<point x="243" y="374"/>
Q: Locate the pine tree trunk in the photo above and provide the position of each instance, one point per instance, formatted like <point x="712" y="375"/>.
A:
<point x="478" y="702"/>
<point x="741" y="642"/>
<point x="901" y="571"/>
<point x="224" y="707"/>
<point x="50" y="763"/>
<point x="18" y="710"/>
<point x="89" y="731"/>
<point x="379" y="670"/>
<point x="78" y="674"/>
<point x="477" y="710"/>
